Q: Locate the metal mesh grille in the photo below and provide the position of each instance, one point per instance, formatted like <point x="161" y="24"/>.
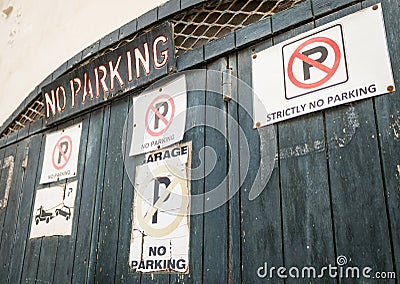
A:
<point x="32" y="113"/>
<point x="219" y="18"/>
<point x="192" y="28"/>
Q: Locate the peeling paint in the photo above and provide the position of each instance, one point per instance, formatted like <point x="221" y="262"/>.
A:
<point x="302" y="149"/>
<point x="7" y="163"/>
<point x="395" y="126"/>
<point x="350" y="126"/>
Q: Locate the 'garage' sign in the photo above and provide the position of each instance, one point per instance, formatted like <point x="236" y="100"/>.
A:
<point x="144" y="59"/>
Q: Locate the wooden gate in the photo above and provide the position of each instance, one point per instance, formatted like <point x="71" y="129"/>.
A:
<point x="330" y="189"/>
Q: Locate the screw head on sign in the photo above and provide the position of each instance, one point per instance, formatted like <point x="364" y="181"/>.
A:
<point x="258" y="124"/>
<point x="254" y="56"/>
<point x="134" y="125"/>
<point x="390" y="88"/>
<point x="375" y="7"/>
<point x="160" y="90"/>
<point x="171" y="69"/>
<point x="158" y="147"/>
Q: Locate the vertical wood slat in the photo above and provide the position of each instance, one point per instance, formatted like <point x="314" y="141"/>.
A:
<point x="361" y="234"/>
<point x="195" y="120"/>
<point x="8" y="152"/>
<point x="112" y="190"/>
<point x="88" y="197"/>
<point x="307" y="222"/>
<point x="261" y="236"/>
<point x="215" y="251"/>
<point x="123" y="274"/>
<point x="33" y="246"/>
<point x="49" y="245"/>
<point x="22" y="244"/>
<point x="387" y="115"/>
<point x="66" y="244"/>
<point x="13" y="205"/>
<point x="233" y="134"/>
<point x="93" y="254"/>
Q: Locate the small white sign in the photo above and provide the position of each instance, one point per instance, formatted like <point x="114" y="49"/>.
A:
<point x="53" y="211"/>
<point x="343" y="61"/>
<point x="61" y="154"/>
<point x="160" y="229"/>
<point x="159" y="117"/>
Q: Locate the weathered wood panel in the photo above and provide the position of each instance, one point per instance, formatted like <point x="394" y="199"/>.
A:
<point x="13" y="205"/>
<point x="333" y="191"/>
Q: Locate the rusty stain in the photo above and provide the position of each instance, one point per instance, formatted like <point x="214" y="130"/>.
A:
<point x="375" y="7"/>
<point x="390" y="88"/>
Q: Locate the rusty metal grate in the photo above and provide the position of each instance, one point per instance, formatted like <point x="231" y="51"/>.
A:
<point x="219" y="18"/>
<point x="32" y="113"/>
<point x="192" y="28"/>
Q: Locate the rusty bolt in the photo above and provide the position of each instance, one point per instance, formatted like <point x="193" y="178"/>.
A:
<point x="375" y="7"/>
<point x="254" y="56"/>
<point x="390" y="88"/>
<point x="258" y="124"/>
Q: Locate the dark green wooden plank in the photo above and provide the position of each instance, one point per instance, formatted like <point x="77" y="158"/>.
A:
<point x="88" y="196"/>
<point x="123" y="274"/>
<point x="387" y="113"/>
<point x="112" y="191"/>
<point x="359" y="211"/>
<point x="47" y="260"/>
<point x="66" y="244"/>
<point x="261" y="218"/>
<point x="234" y="226"/>
<point x="195" y="119"/>
<point x="22" y="245"/>
<point x="14" y="202"/>
<point x="215" y="258"/>
<point x="306" y="210"/>
<point x="99" y="193"/>
<point x="33" y="246"/>
<point x="49" y="246"/>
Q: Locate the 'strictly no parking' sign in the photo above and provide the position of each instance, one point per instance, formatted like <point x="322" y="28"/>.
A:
<point x="343" y="61"/>
<point x="159" y="117"/>
<point x="61" y="154"/>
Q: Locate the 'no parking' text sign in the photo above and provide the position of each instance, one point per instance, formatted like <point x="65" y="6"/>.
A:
<point x="159" y="117"/>
<point x="343" y="61"/>
<point x="60" y="159"/>
<point x="161" y="207"/>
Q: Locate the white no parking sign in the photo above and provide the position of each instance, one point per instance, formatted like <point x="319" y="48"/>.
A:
<point x="341" y="62"/>
<point x="61" y="154"/>
<point x="159" y="117"/>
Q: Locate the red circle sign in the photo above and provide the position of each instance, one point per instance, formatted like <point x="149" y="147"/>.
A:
<point x="330" y="71"/>
<point x="159" y="116"/>
<point x="60" y="157"/>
